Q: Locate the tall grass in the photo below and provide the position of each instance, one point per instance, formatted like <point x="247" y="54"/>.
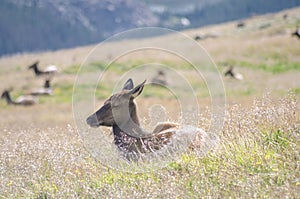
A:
<point x="258" y="156"/>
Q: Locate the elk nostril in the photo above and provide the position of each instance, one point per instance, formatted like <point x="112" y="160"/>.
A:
<point x="93" y="121"/>
<point x="89" y="120"/>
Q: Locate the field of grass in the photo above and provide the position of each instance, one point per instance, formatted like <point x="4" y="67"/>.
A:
<point x="43" y="156"/>
<point x="258" y="156"/>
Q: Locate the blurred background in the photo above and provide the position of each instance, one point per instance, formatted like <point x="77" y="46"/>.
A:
<point x="254" y="44"/>
<point x="39" y="25"/>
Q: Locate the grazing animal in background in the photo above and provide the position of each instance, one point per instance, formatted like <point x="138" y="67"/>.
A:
<point x="159" y="79"/>
<point x="198" y="37"/>
<point x="296" y="33"/>
<point x="232" y="74"/>
<point x="206" y="36"/>
<point x="240" y="24"/>
<point x="48" y="72"/>
<point x="46" y="90"/>
<point x="25" y="100"/>
<point x="120" y="113"/>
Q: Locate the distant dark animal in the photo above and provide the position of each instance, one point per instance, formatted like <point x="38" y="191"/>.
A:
<point x="232" y="74"/>
<point x="240" y="24"/>
<point x="22" y="100"/>
<point x="159" y="79"/>
<point x="48" y="72"/>
<point x="198" y="37"/>
<point x="46" y="90"/>
<point x="296" y="33"/>
<point x="285" y="16"/>
<point x="206" y="36"/>
<point x="120" y="112"/>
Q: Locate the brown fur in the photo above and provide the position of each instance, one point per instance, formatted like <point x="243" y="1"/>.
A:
<point x="129" y="137"/>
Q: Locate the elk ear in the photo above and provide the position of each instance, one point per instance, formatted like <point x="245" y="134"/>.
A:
<point x="137" y="90"/>
<point x="128" y="85"/>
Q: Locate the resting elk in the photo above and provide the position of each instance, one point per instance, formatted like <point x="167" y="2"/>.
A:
<point x="48" y="72"/>
<point x="120" y="113"/>
<point x="233" y="74"/>
<point x="46" y="90"/>
<point x="24" y="100"/>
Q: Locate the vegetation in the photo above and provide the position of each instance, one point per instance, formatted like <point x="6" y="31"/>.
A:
<point x="227" y="12"/>
<point x="43" y="156"/>
<point x="274" y="68"/>
<point x="27" y="29"/>
<point x="258" y="156"/>
<point x="25" y="25"/>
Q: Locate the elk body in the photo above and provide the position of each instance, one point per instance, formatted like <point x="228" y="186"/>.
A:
<point x="296" y="33"/>
<point x="21" y="100"/>
<point x="159" y="79"/>
<point x="46" y="90"/>
<point x="48" y="72"/>
<point x="120" y="113"/>
<point x="233" y="74"/>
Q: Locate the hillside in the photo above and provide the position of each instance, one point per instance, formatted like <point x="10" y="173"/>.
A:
<point x="265" y="28"/>
<point x="264" y="48"/>
<point x="38" y="25"/>
<point x="205" y="12"/>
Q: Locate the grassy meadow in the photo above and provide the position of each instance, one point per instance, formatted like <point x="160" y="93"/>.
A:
<point x="258" y="155"/>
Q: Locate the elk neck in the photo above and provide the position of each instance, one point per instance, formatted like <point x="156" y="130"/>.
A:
<point x="132" y="126"/>
<point x="36" y="70"/>
<point x="8" y="98"/>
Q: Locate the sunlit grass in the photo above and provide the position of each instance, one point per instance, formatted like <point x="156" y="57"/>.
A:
<point x="277" y="67"/>
<point x="258" y="156"/>
<point x="85" y="68"/>
<point x="297" y="90"/>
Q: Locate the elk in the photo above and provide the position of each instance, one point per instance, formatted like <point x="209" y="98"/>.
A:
<point x="120" y="113"/>
<point x="48" y="72"/>
<point x="232" y="74"/>
<point x="159" y="79"/>
<point x="198" y="37"/>
<point x="46" y="90"/>
<point x="206" y="36"/>
<point x="296" y="33"/>
<point x="24" y="100"/>
<point x="240" y="24"/>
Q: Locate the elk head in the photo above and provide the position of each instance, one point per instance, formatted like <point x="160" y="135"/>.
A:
<point x="119" y="109"/>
